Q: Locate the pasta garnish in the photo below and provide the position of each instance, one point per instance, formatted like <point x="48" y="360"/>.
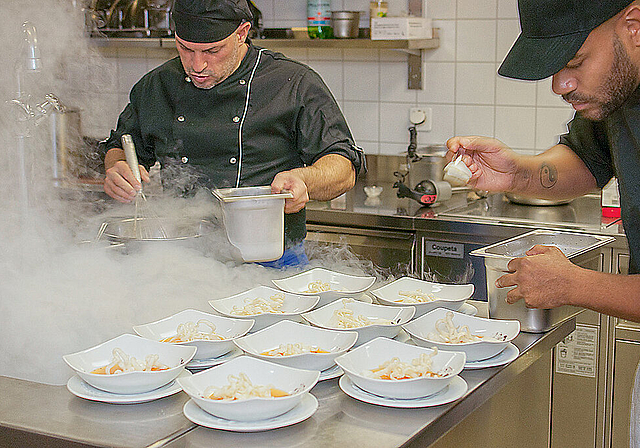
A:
<point x="346" y="318"/>
<point x="293" y="349"/>
<point x="446" y="331"/>
<point x="394" y="369"/>
<point x="189" y="331"/>
<point x="121" y="362"/>
<point x="239" y="388"/>
<point x="260" y="306"/>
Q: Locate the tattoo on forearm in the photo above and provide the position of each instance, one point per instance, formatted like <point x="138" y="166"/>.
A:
<point x="548" y="175"/>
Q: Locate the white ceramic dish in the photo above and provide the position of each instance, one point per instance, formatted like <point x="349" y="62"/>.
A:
<point x="330" y="373"/>
<point x="226" y="327"/>
<point x="288" y="332"/>
<point x="342" y="285"/>
<point x="302" y="411"/>
<point x="468" y="309"/>
<point x="501" y="333"/>
<point x="448" y="296"/>
<point x="294" y="305"/>
<point x="174" y="356"/>
<point x="81" y="389"/>
<point x="295" y="382"/>
<point x="456" y="389"/>
<point x="510" y="353"/>
<point x="380" y="350"/>
<point x="202" y="364"/>
<point x="323" y="318"/>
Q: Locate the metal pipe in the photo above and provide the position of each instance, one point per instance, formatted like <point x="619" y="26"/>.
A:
<point x="32" y="52"/>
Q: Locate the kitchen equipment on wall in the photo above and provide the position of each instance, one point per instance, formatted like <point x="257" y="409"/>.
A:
<point x="575" y="246"/>
<point x="254" y="221"/>
<point x="129" y="18"/>
<point x="346" y="24"/>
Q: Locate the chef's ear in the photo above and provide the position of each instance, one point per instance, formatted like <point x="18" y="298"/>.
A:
<point x="243" y="31"/>
<point x="630" y="22"/>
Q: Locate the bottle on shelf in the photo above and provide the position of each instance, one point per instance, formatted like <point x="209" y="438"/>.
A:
<point x="377" y="9"/>
<point x="319" y="19"/>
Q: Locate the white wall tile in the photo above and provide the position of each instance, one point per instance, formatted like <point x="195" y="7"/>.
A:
<point x="393" y="149"/>
<point x="325" y="54"/>
<point x="550" y="124"/>
<point x="441" y="9"/>
<point x="295" y="11"/>
<point x="476" y="41"/>
<point x="475" y="120"/>
<point x="515" y="126"/>
<point x="507" y="9"/>
<point x="394" y="83"/>
<point x="477" y="9"/>
<point x="508" y="31"/>
<point x="331" y="73"/>
<point x="546" y="97"/>
<point x="130" y="70"/>
<point x="515" y="92"/>
<point x="447" y="49"/>
<point x="475" y="83"/>
<point x="361" y="81"/>
<point x="361" y="55"/>
<point x="442" y="125"/>
<point x="439" y="82"/>
<point x="363" y="119"/>
<point x="394" y="122"/>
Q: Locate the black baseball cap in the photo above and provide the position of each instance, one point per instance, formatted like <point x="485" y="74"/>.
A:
<point x="206" y="21"/>
<point x="552" y="32"/>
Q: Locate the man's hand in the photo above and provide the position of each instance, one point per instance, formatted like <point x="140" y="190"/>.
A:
<point x="291" y="181"/>
<point x="121" y="184"/>
<point x="542" y="278"/>
<point x="493" y="165"/>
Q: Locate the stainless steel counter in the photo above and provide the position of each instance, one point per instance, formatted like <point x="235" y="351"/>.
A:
<point x="355" y="209"/>
<point x="33" y="414"/>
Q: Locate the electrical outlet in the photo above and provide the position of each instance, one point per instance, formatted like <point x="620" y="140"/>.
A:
<point x="421" y="117"/>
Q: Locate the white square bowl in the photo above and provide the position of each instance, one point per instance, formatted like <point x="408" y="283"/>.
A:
<point x="294" y="305"/>
<point x="322" y="317"/>
<point x="226" y="327"/>
<point x="295" y="382"/>
<point x="500" y="331"/>
<point x="288" y="332"/>
<point x="174" y="356"/>
<point x="342" y="285"/>
<point x="380" y="350"/>
<point x="448" y="296"/>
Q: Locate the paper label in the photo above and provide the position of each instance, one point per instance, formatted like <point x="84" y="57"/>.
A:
<point x="576" y="354"/>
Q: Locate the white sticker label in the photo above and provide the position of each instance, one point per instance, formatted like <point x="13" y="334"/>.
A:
<point x="443" y="249"/>
<point x="576" y="355"/>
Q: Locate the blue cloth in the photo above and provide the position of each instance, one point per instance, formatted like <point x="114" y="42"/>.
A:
<point x="294" y="256"/>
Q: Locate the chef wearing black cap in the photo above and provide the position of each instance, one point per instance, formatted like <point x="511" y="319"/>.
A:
<point x="592" y="50"/>
<point x="226" y="113"/>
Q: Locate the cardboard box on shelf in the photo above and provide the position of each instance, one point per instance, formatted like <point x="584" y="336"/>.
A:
<point x="397" y="28"/>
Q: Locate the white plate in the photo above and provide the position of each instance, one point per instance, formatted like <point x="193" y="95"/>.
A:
<point x="206" y="363"/>
<point x="305" y="409"/>
<point x="330" y="373"/>
<point x="509" y="354"/>
<point x="80" y="388"/>
<point x="468" y="309"/>
<point x="456" y="389"/>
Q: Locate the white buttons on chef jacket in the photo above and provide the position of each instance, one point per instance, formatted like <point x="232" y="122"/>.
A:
<point x="180" y="118"/>
<point x="242" y="82"/>
<point x="232" y="160"/>
<point x="236" y="119"/>
<point x="185" y="159"/>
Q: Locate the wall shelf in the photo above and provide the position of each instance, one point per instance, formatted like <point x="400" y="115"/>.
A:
<point x="412" y="47"/>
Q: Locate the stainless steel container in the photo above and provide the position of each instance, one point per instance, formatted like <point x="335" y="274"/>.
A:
<point x="346" y="24"/>
<point x="66" y="144"/>
<point x="498" y="255"/>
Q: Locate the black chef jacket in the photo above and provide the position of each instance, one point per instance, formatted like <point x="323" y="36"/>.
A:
<point x="272" y="114"/>
<point x="612" y="147"/>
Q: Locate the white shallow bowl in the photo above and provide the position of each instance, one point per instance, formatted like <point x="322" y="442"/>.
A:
<point x="288" y="332"/>
<point x="449" y="296"/>
<point x="174" y="356"/>
<point x="226" y="327"/>
<point x="342" y="285"/>
<point x="503" y="330"/>
<point x="293" y="381"/>
<point x="322" y="317"/>
<point x="294" y="305"/>
<point x="378" y="351"/>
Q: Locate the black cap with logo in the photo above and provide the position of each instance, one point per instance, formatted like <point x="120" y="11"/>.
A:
<point x="552" y="31"/>
<point x="206" y="21"/>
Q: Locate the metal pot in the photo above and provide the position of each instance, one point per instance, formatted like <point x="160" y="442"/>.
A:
<point x="346" y="24"/>
<point x="66" y="144"/>
<point x="426" y="163"/>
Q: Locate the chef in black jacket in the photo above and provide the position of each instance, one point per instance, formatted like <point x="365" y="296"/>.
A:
<point x="226" y="113"/>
